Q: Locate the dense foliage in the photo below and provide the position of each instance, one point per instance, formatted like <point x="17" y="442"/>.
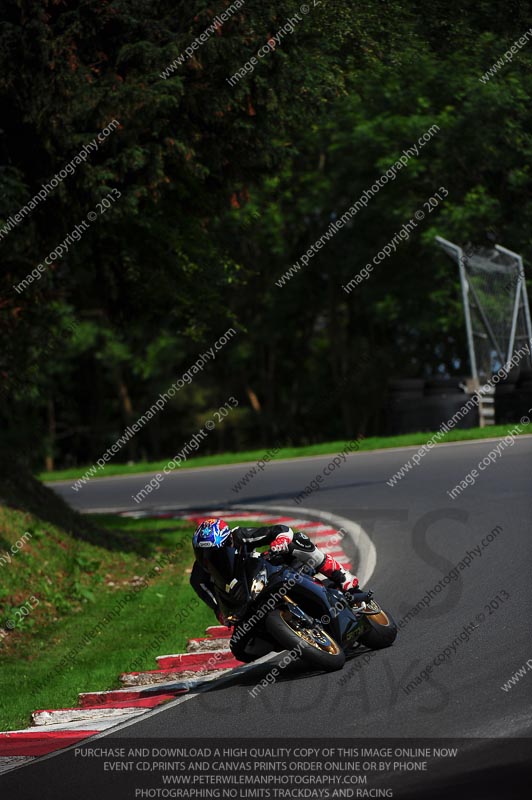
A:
<point x="222" y="188"/>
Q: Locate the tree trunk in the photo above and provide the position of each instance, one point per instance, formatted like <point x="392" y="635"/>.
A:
<point x="51" y="429"/>
<point x="127" y="413"/>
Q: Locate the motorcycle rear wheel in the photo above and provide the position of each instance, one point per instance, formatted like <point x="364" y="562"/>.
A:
<point x="314" y="645"/>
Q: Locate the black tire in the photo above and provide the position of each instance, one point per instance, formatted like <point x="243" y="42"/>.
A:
<point x="246" y="648"/>
<point x="382" y="633"/>
<point x="525" y="376"/>
<point x="410" y="385"/>
<point x="505" y="388"/>
<point x="239" y="651"/>
<point x="512" y="376"/>
<point x="443" y="386"/>
<point x="279" y="625"/>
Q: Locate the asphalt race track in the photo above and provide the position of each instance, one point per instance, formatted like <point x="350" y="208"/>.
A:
<point x="420" y="535"/>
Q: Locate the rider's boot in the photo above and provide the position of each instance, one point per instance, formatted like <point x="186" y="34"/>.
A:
<point x="303" y="549"/>
<point x="344" y="580"/>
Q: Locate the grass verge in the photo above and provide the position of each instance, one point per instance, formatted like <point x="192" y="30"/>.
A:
<point x="325" y="448"/>
<point x="99" y="612"/>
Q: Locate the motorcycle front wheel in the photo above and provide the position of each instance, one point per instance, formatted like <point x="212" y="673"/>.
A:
<point x="312" y="645"/>
<point x="382" y="629"/>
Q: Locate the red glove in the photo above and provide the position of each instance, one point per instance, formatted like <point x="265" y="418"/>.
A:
<point x="280" y="543"/>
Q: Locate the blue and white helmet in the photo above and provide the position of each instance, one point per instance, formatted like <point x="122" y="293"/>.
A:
<point x="211" y="533"/>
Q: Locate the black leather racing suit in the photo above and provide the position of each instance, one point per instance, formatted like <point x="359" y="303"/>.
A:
<point x="282" y="539"/>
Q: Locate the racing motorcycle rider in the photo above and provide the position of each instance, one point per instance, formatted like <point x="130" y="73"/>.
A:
<point x="282" y="540"/>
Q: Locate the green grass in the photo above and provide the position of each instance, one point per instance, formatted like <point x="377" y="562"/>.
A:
<point x="77" y="585"/>
<point x="371" y="443"/>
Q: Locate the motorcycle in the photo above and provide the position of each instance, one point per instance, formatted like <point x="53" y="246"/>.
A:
<point x="274" y="605"/>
